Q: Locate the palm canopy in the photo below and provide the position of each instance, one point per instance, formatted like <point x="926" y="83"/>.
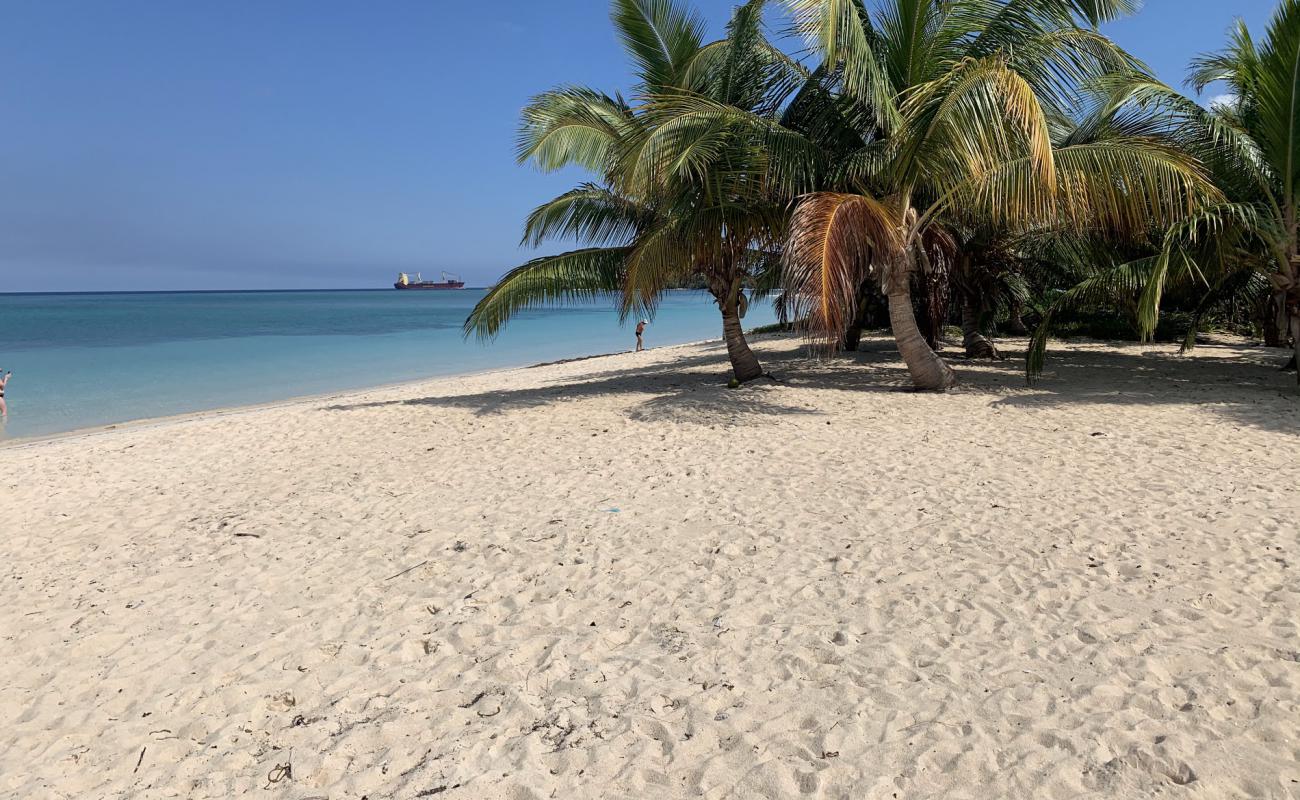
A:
<point x="923" y="118"/>
<point x="1256" y="142"/>
<point x="969" y="106"/>
<point x="1245" y="244"/>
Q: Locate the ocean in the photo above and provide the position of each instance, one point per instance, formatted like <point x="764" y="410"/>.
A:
<point x="83" y="360"/>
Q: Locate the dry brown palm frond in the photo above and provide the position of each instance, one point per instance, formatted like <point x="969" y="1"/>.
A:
<point x="835" y="242"/>
<point x="939" y="246"/>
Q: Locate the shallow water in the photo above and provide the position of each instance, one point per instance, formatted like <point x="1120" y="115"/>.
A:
<point x="92" y="359"/>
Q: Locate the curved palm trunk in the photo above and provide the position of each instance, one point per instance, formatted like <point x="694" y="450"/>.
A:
<point x="928" y="371"/>
<point x="976" y="343"/>
<point x="744" y="364"/>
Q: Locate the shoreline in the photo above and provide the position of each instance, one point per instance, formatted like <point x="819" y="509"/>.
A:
<point x="224" y="411"/>
<point x="306" y="399"/>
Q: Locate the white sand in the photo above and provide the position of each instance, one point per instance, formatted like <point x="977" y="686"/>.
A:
<point x="620" y="579"/>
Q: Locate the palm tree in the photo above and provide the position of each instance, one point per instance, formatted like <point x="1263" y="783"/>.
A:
<point x="956" y="104"/>
<point x="1258" y="134"/>
<point x="1244" y="248"/>
<point x="651" y="225"/>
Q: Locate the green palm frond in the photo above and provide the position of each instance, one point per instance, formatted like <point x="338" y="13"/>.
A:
<point x="572" y="125"/>
<point x="589" y="213"/>
<point x="1175" y="260"/>
<point x="978" y="116"/>
<point x="692" y="137"/>
<point x="1236" y="65"/>
<point x="662" y="36"/>
<point x="1275" y="96"/>
<point x="1244" y="282"/>
<point x="663" y="256"/>
<point x="1116" y="284"/>
<point x="842" y="32"/>
<point x="550" y="280"/>
<point x="1096" y="12"/>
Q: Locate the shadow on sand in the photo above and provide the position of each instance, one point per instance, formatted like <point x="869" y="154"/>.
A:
<point x="1235" y="380"/>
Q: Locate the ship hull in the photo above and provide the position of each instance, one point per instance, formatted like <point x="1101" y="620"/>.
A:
<point x="431" y="285"/>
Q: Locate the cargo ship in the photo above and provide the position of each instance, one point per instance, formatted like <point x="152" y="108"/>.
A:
<point x="449" y="281"/>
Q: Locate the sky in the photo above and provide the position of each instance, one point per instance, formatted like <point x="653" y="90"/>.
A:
<point x="158" y="145"/>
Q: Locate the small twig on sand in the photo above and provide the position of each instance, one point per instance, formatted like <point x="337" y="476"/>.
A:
<point x="280" y="772"/>
<point x="477" y="698"/>
<point x="408" y="569"/>
<point x="139" y="760"/>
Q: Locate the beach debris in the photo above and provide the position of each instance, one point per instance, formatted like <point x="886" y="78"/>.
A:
<point x="139" y="760"/>
<point x="473" y="702"/>
<point x="250" y="535"/>
<point x="408" y="569"/>
<point x="285" y="699"/>
<point x="460" y="546"/>
<point x="280" y="772"/>
<point x="135" y="604"/>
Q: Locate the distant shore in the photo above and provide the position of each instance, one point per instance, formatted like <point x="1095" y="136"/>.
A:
<point x="615" y="577"/>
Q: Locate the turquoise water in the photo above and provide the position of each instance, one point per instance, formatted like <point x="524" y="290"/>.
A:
<point x="81" y="360"/>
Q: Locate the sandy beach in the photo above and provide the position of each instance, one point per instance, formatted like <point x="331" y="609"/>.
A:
<point x="616" y="578"/>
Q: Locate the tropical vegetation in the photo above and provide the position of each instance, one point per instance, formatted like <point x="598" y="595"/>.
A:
<point x="922" y="162"/>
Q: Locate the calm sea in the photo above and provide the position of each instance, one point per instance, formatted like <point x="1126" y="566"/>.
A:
<point x="81" y="360"/>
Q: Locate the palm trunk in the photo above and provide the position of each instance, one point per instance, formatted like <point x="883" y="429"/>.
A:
<point x="1295" y="344"/>
<point x="744" y="364"/>
<point x="1275" y="323"/>
<point x="922" y="312"/>
<point x="929" y="372"/>
<point x="1015" y="322"/>
<point x="853" y="337"/>
<point x="853" y="333"/>
<point x="976" y="343"/>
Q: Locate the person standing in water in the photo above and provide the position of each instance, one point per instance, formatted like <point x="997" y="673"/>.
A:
<point x="4" y="409"/>
<point x="640" y="329"/>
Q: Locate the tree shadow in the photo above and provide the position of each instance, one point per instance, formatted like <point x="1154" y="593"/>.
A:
<point x="689" y="388"/>
<point x="1236" y="380"/>
<point x="1242" y="382"/>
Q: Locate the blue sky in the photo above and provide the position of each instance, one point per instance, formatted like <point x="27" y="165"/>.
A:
<point x="155" y="144"/>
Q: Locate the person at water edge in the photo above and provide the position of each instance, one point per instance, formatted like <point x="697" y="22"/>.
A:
<point x="640" y="329"/>
<point x="4" y="409"/>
